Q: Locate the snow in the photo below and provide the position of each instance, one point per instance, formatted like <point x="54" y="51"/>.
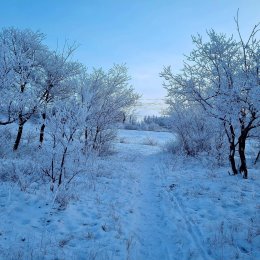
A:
<point x="139" y="138"/>
<point x="138" y="203"/>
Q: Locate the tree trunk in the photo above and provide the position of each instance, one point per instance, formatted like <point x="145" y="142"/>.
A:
<point x="19" y="133"/>
<point x="42" y="128"/>
<point x="62" y="165"/>
<point x="60" y="179"/>
<point x="21" y="122"/>
<point x="86" y="136"/>
<point x="86" y="133"/>
<point x="232" y="151"/>
<point x="241" y="150"/>
<point x="95" y="139"/>
<point x="257" y="158"/>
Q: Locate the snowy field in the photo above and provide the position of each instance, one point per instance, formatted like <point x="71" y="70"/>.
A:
<point x="136" y="204"/>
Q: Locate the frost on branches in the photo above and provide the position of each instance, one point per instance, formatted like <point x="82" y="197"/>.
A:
<point x="72" y="112"/>
<point x="222" y="76"/>
<point x="105" y="98"/>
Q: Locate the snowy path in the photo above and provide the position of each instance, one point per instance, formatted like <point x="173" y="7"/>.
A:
<point x="151" y="222"/>
<point x="158" y="217"/>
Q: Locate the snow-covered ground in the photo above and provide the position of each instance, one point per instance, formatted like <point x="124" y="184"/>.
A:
<point x="136" y="204"/>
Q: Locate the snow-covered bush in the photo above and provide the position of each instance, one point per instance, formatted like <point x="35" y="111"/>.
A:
<point x="173" y="146"/>
<point x="5" y="140"/>
<point x="65" y="194"/>
<point x="24" y="173"/>
<point x="62" y="158"/>
<point x="194" y="131"/>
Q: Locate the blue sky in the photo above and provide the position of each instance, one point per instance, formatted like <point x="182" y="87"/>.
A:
<point x="144" y="34"/>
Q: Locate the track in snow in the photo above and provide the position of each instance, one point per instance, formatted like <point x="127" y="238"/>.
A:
<point x="161" y="226"/>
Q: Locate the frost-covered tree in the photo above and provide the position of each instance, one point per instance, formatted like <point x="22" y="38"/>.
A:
<point x="58" y="82"/>
<point x="22" y="52"/>
<point x="7" y="116"/>
<point x="74" y="114"/>
<point x="32" y="77"/>
<point x="249" y="116"/>
<point x="64" y="128"/>
<point x="105" y="97"/>
<point x="222" y="76"/>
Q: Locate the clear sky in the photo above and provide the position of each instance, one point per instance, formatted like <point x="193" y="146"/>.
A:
<point x="144" y="34"/>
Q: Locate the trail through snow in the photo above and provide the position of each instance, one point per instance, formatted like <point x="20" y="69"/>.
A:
<point x="158" y="217"/>
<point x="154" y="237"/>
